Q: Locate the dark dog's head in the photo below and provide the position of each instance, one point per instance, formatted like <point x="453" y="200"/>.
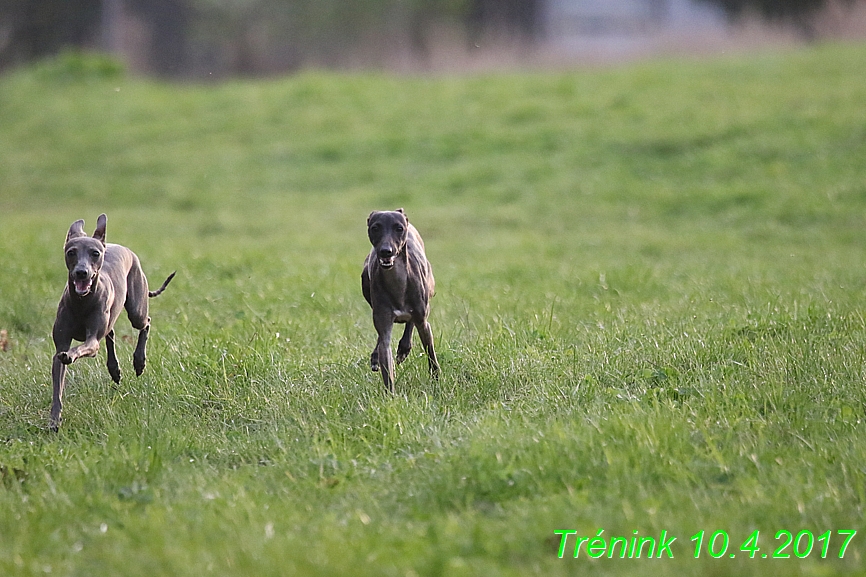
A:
<point x="84" y="255"/>
<point x="387" y="231"/>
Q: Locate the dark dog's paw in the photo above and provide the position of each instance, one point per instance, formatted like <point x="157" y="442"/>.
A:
<point x="434" y="368"/>
<point x="64" y="358"/>
<point x="138" y="365"/>
<point x="115" y="373"/>
<point x="374" y="362"/>
<point x="402" y="354"/>
<point x="54" y="424"/>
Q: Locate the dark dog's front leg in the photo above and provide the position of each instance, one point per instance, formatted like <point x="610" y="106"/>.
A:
<point x="58" y="379"/>
<point x="140" y="356"/>
<point x="88" y="348"/>
<point x="113" y="368"/>
<point x="405" y="345"/>
<point x="62" y="340"/>
<point x="58" y="373"/>
<point x="383" y="352"/>
<point x="426" y="335"/>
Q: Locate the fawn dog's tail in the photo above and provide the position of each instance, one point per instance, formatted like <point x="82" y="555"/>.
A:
<point x="158" y="291"/>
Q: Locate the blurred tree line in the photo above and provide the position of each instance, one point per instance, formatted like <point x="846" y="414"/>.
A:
<point x="798" y="13"/>
<point x="193" y="37"/>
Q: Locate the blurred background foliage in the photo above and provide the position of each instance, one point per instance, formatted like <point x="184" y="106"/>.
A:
<point x="218" y="38"/>
<point x="183" y="37"/>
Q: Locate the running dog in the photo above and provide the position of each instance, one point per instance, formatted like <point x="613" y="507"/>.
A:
<point x="103" y="279"/>
<point x="397" y="282"/>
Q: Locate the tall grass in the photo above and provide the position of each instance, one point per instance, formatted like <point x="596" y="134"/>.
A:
<point x="648" y="318"/>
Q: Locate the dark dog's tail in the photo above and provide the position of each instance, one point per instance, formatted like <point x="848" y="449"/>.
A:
<point x="158" y="291"/>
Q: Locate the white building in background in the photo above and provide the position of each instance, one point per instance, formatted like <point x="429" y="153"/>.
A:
<point x="627" y="26"/>
<point x="603" y="17"/>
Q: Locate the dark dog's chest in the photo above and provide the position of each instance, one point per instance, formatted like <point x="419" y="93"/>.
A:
<point x="92" y="312"/>
<point x="400" y="296"/>
<point x="75" y="327"/>
<point x="79" y="333"/>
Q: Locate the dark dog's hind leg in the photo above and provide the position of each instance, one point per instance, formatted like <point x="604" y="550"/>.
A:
<point x="426" y="335"/>
<point x="137" y="310"/>
<point x="113" y="368"/>
<point x="140" y="354"/>
<point x="405" y="345"/>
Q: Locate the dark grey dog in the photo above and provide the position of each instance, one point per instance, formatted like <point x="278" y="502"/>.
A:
<point x="397" y="281"/>
<point x="103" y="279"/>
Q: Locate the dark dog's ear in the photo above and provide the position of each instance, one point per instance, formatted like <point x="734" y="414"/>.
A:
<point x="76" y="230"/>
<point x="370" y="217"/>
<point x="99" y="233"/>
<point x="400" y="210"/>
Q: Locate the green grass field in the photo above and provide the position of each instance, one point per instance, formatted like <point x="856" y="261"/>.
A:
<point x="649" y="315"/>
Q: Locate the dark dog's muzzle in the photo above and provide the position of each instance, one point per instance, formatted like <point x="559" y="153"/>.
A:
<point x="83" y="281"/>
<point x="386" y="257"/>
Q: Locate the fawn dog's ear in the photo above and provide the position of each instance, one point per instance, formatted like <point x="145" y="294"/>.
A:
<point x="99" y="233"/>
<point x="76" y="230"/>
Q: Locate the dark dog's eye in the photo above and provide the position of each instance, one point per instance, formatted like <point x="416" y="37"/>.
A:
<point x="70" y="253"/>
<point x="399" y="228"/>
<point x="94" y="254"/>
<point x="375" y="228"/>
